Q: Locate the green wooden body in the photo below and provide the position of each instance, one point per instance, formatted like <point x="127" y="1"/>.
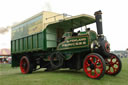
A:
<point x="47" y="39"/>
<point x="32" y="36"/>
<point x="40" y="41"/>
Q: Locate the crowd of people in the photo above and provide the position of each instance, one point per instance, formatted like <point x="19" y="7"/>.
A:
<point x="5" y="59"/>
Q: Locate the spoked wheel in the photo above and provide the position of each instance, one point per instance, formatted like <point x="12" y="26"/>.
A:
<point x="26" y="65"/>
<point x="113" y="65"/>
<point x="94" y="66"/>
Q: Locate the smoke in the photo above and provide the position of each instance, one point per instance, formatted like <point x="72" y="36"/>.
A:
<point x="47" y="6"/>
<point x="4" y="29"/>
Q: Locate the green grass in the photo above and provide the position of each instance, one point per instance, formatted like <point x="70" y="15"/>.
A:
<point x="13" y="76"/>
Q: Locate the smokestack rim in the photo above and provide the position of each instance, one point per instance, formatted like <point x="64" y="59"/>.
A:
<point x="98" y="12"/>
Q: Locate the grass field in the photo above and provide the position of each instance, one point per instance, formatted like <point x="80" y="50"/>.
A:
<point x="13" y="76"/>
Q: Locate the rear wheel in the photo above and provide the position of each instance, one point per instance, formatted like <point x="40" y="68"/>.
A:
<point x="113" y="65"/>
<point x="94" y="66"/>
<point x="26" y="65"/>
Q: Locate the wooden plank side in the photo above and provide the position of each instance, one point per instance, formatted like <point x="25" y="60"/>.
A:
<point x="30" y="43"/>
<point x="51" y="38"/>
<point x="21" y="44"/>
<point x="34" y="41"/>
<point x="40" y="40"/>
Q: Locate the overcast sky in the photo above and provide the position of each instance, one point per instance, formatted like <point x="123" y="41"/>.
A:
<point x="115" y="16"/>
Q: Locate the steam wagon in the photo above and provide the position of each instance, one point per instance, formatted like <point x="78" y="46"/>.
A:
<point x="47" y="40"/>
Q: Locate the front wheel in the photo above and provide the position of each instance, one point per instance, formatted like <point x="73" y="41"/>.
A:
<point x="94" y="66"/>
<point x="113" y="65"/>
<point x="26" y="65"/>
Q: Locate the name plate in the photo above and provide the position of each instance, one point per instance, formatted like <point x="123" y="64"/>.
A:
<point x="74" y="42"/>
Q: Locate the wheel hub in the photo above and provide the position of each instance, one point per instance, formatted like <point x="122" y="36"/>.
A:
<point x="92" y="66"/>
<point x="111" y="63"/>
<point x="24" y="65"/>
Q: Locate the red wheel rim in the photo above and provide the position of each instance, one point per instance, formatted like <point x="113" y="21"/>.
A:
<point x="93" y="66"/>
<point x="24" y="65"/>
<point x="112" y="65"/>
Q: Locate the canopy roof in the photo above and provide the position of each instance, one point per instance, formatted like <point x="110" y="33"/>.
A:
<point x="72" y="22"/>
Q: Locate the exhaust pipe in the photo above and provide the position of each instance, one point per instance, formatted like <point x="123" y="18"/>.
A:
<point x="98" y="17"/>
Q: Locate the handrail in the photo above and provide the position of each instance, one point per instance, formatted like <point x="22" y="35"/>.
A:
<point x="64" y="15"/>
